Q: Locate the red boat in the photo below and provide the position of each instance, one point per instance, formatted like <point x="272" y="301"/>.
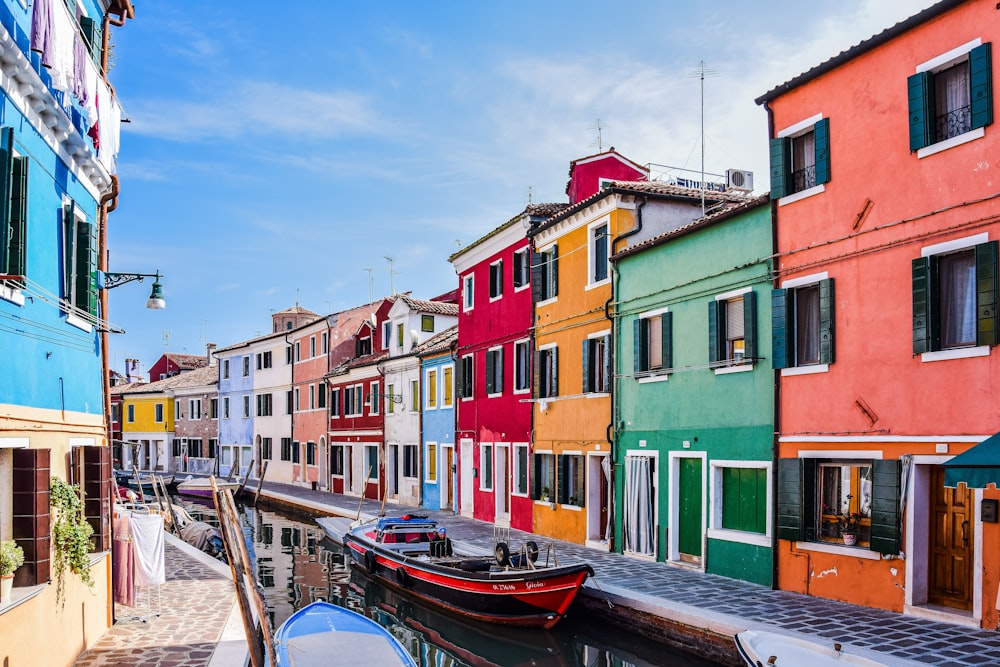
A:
<point x="513" y="589"/>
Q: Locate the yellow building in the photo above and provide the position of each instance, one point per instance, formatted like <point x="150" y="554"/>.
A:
<point x="147" y="419"/>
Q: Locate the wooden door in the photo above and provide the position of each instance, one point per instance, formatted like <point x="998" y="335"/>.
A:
<point x="951" y="544"/>
<point x="689" y="516"/>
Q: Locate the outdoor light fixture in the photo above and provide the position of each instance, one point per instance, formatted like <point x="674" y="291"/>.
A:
<point x="155" y="301"/>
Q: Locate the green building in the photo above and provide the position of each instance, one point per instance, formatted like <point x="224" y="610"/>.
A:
<point x="694" y="395"/>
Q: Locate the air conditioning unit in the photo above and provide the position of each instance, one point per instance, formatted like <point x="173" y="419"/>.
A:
<point x="737" y="179"/>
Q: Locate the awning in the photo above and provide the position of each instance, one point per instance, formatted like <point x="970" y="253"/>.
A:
<point x="977" y="467"/>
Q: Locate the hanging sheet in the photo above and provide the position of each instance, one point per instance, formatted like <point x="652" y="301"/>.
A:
<point x="148" y="549"/>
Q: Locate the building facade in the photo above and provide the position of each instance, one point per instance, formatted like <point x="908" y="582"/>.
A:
<point x="438" y="478"/>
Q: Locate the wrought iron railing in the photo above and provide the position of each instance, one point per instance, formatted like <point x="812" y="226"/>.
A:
<point x="803" y="179"/>
<point x="953" y="123"/>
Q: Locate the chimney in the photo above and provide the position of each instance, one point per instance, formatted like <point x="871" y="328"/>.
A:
<point x="210" y="353"/>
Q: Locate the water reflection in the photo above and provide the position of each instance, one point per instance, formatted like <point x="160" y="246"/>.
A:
<point x="296" y="564"/>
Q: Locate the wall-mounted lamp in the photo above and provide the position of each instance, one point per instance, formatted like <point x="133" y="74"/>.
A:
<point x="107" y="280"/>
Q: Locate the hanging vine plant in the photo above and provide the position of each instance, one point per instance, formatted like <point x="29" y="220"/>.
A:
<point x="70" y="534"/>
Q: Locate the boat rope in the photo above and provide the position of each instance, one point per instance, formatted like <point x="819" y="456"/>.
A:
<point x="598" y="586"/>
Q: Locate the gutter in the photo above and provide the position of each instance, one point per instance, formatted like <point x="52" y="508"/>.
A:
<point x="776" y="375"/>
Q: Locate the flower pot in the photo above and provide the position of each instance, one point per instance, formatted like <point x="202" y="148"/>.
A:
<point x="850" y="539"/>
<point x="6" y="586"/>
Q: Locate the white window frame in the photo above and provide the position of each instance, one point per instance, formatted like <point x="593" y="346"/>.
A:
<point x="375" y="397"/>
<point x="472" y="380"/>
<point x="611" y="371"/>
<point x="493" y="471"/>
<point x="526" y="344"/>
<point x="494" y="350"/>
<point x="468" y="292"/>
<point x="442" y="384"/>
<point x="427" y="467"/>
<point x="427" y="389"/>
<point x="525" y="254"/>
<point x="499" y="264"/>
<point x="715" y="530"/>
<point x="592" y="249"/>
<point x="516" y="470"/>
<point x="541" y="251"/>
<point x="938" y="64"/>
<point x="793" y="131"/>
<point x="793" y="283"/>
<point x="178" y="416"/>
<point x="657" y="374"/>
<point x="743" y="366"/>
<point x="543" y="348"/>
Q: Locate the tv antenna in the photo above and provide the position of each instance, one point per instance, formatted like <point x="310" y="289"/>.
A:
<point x="600" y="140"/>
<point x="531" y="195"/>
<point x="166" y="339"/>
<point x="701" y="72"/>
<point x="371" y="294"/>
<point x="392" y="290"/>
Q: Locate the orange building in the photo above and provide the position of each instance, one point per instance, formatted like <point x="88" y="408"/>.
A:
<point x="884" y="188"/>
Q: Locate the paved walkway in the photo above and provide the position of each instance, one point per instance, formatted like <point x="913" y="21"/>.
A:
<point x="711" y="602"/>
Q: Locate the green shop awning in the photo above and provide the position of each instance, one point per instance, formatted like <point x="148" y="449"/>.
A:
<point x="977" y="467"/>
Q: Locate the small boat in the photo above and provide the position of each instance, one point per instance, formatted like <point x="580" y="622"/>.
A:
<point x="763" y="649"/>
<point x="512" y="589"/>
<point x="325" y="634"/>
<point x="143" y="482"/>
<point x="202" y="486"/>
<point x="335" y="527"/>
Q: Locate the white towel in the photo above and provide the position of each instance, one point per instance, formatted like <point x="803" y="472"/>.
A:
<point x="147" y="549"/>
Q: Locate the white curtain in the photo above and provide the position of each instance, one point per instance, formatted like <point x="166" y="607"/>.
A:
<point x="958" y="290"/>
<point x="639" y="532"/>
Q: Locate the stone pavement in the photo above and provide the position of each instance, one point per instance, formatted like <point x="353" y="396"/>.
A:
<point x="709" y="602"/>
<point x="198" y="624"/>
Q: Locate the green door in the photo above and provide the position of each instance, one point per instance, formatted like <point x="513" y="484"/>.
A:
<point x="689" y="516"/>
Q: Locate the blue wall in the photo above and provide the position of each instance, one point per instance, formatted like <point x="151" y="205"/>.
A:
<point x="236" y="429"/>
<point x="439" y="427"/>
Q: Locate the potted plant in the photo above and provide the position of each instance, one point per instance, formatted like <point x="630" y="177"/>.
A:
<point x="545" y="493"/>
<point x="849" y="525"/>
<point x="11" y="558"/>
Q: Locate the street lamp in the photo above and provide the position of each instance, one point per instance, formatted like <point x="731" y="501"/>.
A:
<point x="107" y="280"/>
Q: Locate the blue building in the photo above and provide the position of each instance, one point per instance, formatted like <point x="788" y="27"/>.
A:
<point x="437" y="369"/>
<point x="236" y="406"/>
<point x="59" y="122"/>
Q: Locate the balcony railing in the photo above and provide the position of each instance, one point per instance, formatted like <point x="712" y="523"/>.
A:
<point x="953" y="123"/>
<point x="803" y="179"/>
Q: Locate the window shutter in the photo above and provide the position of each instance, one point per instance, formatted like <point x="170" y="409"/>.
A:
<point x="791" y="519"/>
<point x="536" y="481"/>
<point x="981" y="85"/>
<point x="30" y="503"/>
<point x="667" y="339"/>
<point x="555" y="370"/>
<point x="86" y="267"/>
<point x="826" y="333"/>
<point x="460" y="378"/>
<point x="640" y="342"/>
<point x="537" y="274"/>
<point x="490" y="367"/>
<point x="886" y="528"/>
<point x="536" y="374"/>
<point x="780" y="149"/>
<point x="606" y="366"/>
<point x="920" y="269"/>
<point x="554" y="271"/>
<point x="750" y="325"/>
<point x="69" y="250"/>
<point x="587" y="380"/>
<point x="499" y="362"/>
<point x="91" y="29"/>
<point x="714" y="332"/>
<point x="96" y="487"/>
<point x="17" y="252"/>
<point x="780" y="320"/>
<point x="986" y="293"/>
<point x="918" y="89"/>
<point x="821" y="134"/>
<point x="6" y="171"/>
<point x="563" y="484"/>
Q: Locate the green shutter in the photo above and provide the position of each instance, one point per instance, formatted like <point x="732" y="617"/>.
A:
<point x="17" y="245"/>
<point x="821" y="142"/>
<point x="69" y="251"/>
<point x="667" y="339"/>
<point x="920" y="269"/>
<point x="554" y="352"/>
<point x="750" y="325"/>
<point x="731" y="499"/>
<point x="780" y="162"/>
<point x="919" y="89"/>
<point x="537" y="277"/>
<point x="791" y="518"/>
<point x="554" y="271"/>
<point x="536" y="481"/>
<point x="460" y="378"/>
<point x="85" y="297"/>
<point x="536" y="374"/>
<point x="886" y="524"/>
<point x="744" y="499"/>
<point x="715" y="326"/>
<point x="986" y="294"/>
<point x="981" y="85"/>
<point x="780" y="333"/>
<point x="826" y="321"/>
<point x="606" y="367"/>
<point x="92" y="37"/>
<point x="640" y="342"/>
<point x="587" y="378"/>
<point x="563" y="483"/>
<point x="490" y="367"/>
<point x="6" y="173"/>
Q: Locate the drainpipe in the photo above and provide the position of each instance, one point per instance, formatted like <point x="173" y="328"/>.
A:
<point x="776" y="415"/>
<point x="610" y="431"/>
<point x="108" y="203"/>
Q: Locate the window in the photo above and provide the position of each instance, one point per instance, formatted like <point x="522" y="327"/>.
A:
<point x="371" y="454"/>
<point x="194" y="408"/>
<point x="289" y="402"/>
<point x="468" y="295"/>
<point x="464" y="379"/>
<point x="744" y="499"/>
<point x="246" y="407"/>
<point x="599" y="257"/>
<point x="411" y="466"/>
<point x="298" y="351"/>
<point x="427" y="323"/>
<point x="267" y="359"/>
<point x="194" y="447"/>
<point x="179" y="447"/>
<point x="522" y="377"/>
<point x="286" y="449"/>
<point x="951" y="95"/>
<point x="547" y="368"/>
<point x="496" y="279"/>
<point x="312" y="346"/>
<point x="321" y="396"/>
<point x="432" y="385"/>
<point x="288" y="354"/>
<point x="597" y="364"/>
<point x="225" y="369"/>
<point x="312" y="397"/>
<point x="522" y="268"/>
<point x="414" y="396"/>
<point x="246" y="366"/>
<point x="486" y="467"/>
<point x="213" y="447"/>
<point x="363" y="345"/>
<point x="335" y="402"/>
<point x="570" y="483"/>
<point x="431" y="462"/>
<point x="653" y="346"/>
<point x="158" y="410"/>
<point x="520" y="472"/>
<point x="296" y="451"/>
<point x="732" y="329"/>
<point x="386" y="333"/>
<point x="354" y="400"/>
<point x="955" y="296"/>
<point x="14" y="228"/>
<point x="225" y="407"/>
<point x="310" y="453"/>
<point x="545" y="274"/>
<point x="177" y="410"/>
<point x="325" y="342"/>
<point x="448" y="387"/>
<point x="821" y="499"/>
<point x="79" y="259"/>
<point x="264" y="407"/>
<point x="298" y="402"/>
<point x="800" y="158"/>
<point x="390" y="393"/>
<point x="337" y="460"/>
<point x="265" y="448"/>
<point x="802" y="324"/>
<point x="131" y="413"/>
<point x="399" y="335"/>
<point x="494" y="372"/>
<point x="543" y="478"/>
<point x="213" y="408"/>
<point x="376" y="399"/>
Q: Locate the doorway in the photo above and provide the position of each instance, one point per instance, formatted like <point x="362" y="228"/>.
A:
<point x="598" y="499"/>
<point x="447" y="500"/>
<point x="639" y="508"/>
<point x="501" y="484"/>
<point x="950" y="544"/>
<point x="465" y="478"/>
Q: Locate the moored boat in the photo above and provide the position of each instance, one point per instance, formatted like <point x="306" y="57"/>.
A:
<point x="513" y="589"/>
<point x="325" y="634"/>
<point x="202" y="486"/>
<point x="761" y="649"/>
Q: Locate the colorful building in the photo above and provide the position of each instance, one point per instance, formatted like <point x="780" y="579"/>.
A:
<point x="196" y="420"/>
<point x="884" y="317"/>
<point x="693" y="395"/>
<point x="439" y="482"/>
<point x="148" y="427"/>
<point x="236" y="407"/>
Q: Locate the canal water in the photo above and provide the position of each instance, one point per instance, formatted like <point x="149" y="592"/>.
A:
<point x="296" y="565"/>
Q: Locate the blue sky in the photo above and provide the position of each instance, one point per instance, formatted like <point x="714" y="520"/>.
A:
<point x="273" y="156"/>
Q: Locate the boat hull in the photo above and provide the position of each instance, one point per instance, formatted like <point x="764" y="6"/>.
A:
<point x="204" y="490"/>
<point x="759" y="647"/>
<point x="532" y="597"/>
